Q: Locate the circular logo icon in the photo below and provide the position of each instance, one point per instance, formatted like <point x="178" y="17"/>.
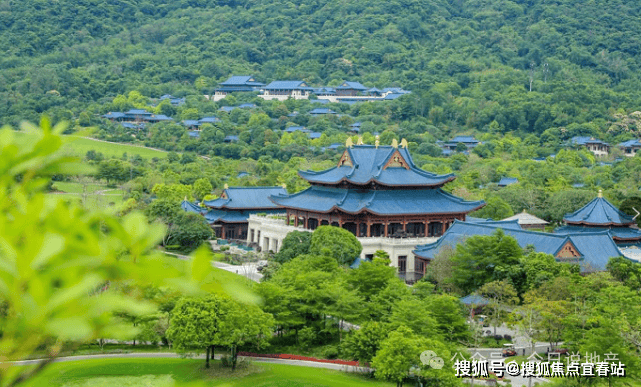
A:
<point x="437" y="363"/>
<point x="426" y="356"/>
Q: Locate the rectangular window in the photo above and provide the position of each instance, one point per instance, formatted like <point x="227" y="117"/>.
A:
<point x="419" y="265"/>
<point x="402" y="263"/>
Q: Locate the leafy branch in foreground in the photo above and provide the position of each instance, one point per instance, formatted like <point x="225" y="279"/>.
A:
<point x="57" y="260"/>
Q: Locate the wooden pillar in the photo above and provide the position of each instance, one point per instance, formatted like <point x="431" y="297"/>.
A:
<point x="306" y="220"/>
<point x="385" y="232"/>
<point x="369" y="229"/>
<point x="404" y="225"/>
<point x="427" y="226"/>
<point x="296" y="220"/>
<point x="222" y="231"/>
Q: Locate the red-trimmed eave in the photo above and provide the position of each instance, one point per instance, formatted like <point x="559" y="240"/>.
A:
<point x="373" y="180"/>
<point x="364" y="210"/>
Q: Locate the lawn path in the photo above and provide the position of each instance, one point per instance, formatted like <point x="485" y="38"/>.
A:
<point x="168" y="355"/>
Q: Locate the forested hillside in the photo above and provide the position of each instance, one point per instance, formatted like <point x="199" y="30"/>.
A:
<point x="470" y="64"/>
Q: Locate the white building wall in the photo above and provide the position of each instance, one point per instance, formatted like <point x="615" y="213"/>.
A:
<point x="273" y="231"/>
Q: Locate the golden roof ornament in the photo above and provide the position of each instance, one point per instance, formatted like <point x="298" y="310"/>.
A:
<point x="600" y="194"/>
<point x="394" y="143"/>
<point x="377" y="142"/>
<point x="284" y="185"/>
<point x="349" y="143"/>
<point x="226" y="186"/>
<point x="360" y="140"/>
<point x="403" y="143"/>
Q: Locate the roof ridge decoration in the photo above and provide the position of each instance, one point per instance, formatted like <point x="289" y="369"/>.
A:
<point x="396" y="160"/>
<point x="349" y="143"/>
<point x="394" y="143"/>
<point x="346" y="159"/>
<point x="360" y="140"/>
<point x="403" y="143"/>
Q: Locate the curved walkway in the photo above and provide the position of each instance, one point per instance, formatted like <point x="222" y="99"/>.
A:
<point x="172" y="355"/>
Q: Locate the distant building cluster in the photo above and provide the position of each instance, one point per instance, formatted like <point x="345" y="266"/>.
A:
<point x="347" y="92"/>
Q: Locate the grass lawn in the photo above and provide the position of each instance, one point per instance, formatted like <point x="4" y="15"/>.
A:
<point x="162" y="372"/>
<point x="79" y="147"/>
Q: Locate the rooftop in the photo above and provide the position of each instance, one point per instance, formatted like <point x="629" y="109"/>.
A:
<point x="594" y="248"/>
<point x="599" y="212"/>
<point x="380" y="202"/>
<point x="525" y="218"/>
<point x="246" y="198"/>
<point x="385" y="165"/>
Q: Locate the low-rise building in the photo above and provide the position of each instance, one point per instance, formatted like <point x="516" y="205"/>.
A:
<point x="229" y="214"/>
<point x="596" y="146"/>
<point x="282" y="90"/>
<point x="590" y="250"/>
<point x="237" y="83"/>
<point x="630" y="147"/>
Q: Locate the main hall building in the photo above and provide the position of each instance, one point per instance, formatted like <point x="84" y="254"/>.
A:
<point x="379" y="195"/>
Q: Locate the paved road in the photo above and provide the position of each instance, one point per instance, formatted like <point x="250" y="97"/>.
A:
<point x="169" y="355"/>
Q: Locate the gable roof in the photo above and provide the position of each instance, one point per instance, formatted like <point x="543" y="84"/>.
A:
<point x="288" y="85"/>
<point x="525" y="218"/>
<point x="381" y="202"/>
<point x="599" y="212"/>
<point x="246" y="198"/>
<point x="347" y="85"/>
<point x="505" y="181"/>
<point x="631" y="143"/>
<point x="578" y="140"/>
<point x="621" y="234"/>
<point x="292" y="129"/>
<point x="595" y="248"/>
<point x="241" y="80"/>
<point x="368" y="165"/>
<point x="464" y="140"/>
<point x="322" y="111"/>
<point x="209" y="120"/>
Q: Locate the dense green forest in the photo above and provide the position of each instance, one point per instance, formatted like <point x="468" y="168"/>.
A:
<point x="500" y="66"/>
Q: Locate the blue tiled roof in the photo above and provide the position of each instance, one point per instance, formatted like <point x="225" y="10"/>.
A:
<point x="598" y="212"/>
<point x="334" y="146"/>
<point x="393" y="96"/>
<point x="381" y="202"/>
<point x="227" y="108"/>
<point x="368" y="162"/>
<point x="396" y="90"/>
<point x="191" y="207"/>
<point x="373" y="90"/>
<point x="114" y="115"/>
<point x="631" y="143"/>
<point x="241" y="80"/>
<point x="474" y="299"/>
<point x="247" y="105"/>
<point x="247" y="198"/>
<point x="464" y="140"/>
<point x="505" y="181"/>
<point x="209" y="120"/>
<point x="616" y="232"/>
<point x="595" y="248"/>
<point x="231" y="138"/>
<point x="159" y="117"/>
<point x="351" y="85"/>
<point x="356" y="125"/>
<point x="314" y="135"/>
<point x="288" y="85"/>
<point x="586" y="140"/>
<point x="322" y="111"/>
<point x="194" y="133"/>
<point x="138" y="112"/>
<point x="191" y="123"/>
<point x="293" y="129"/>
